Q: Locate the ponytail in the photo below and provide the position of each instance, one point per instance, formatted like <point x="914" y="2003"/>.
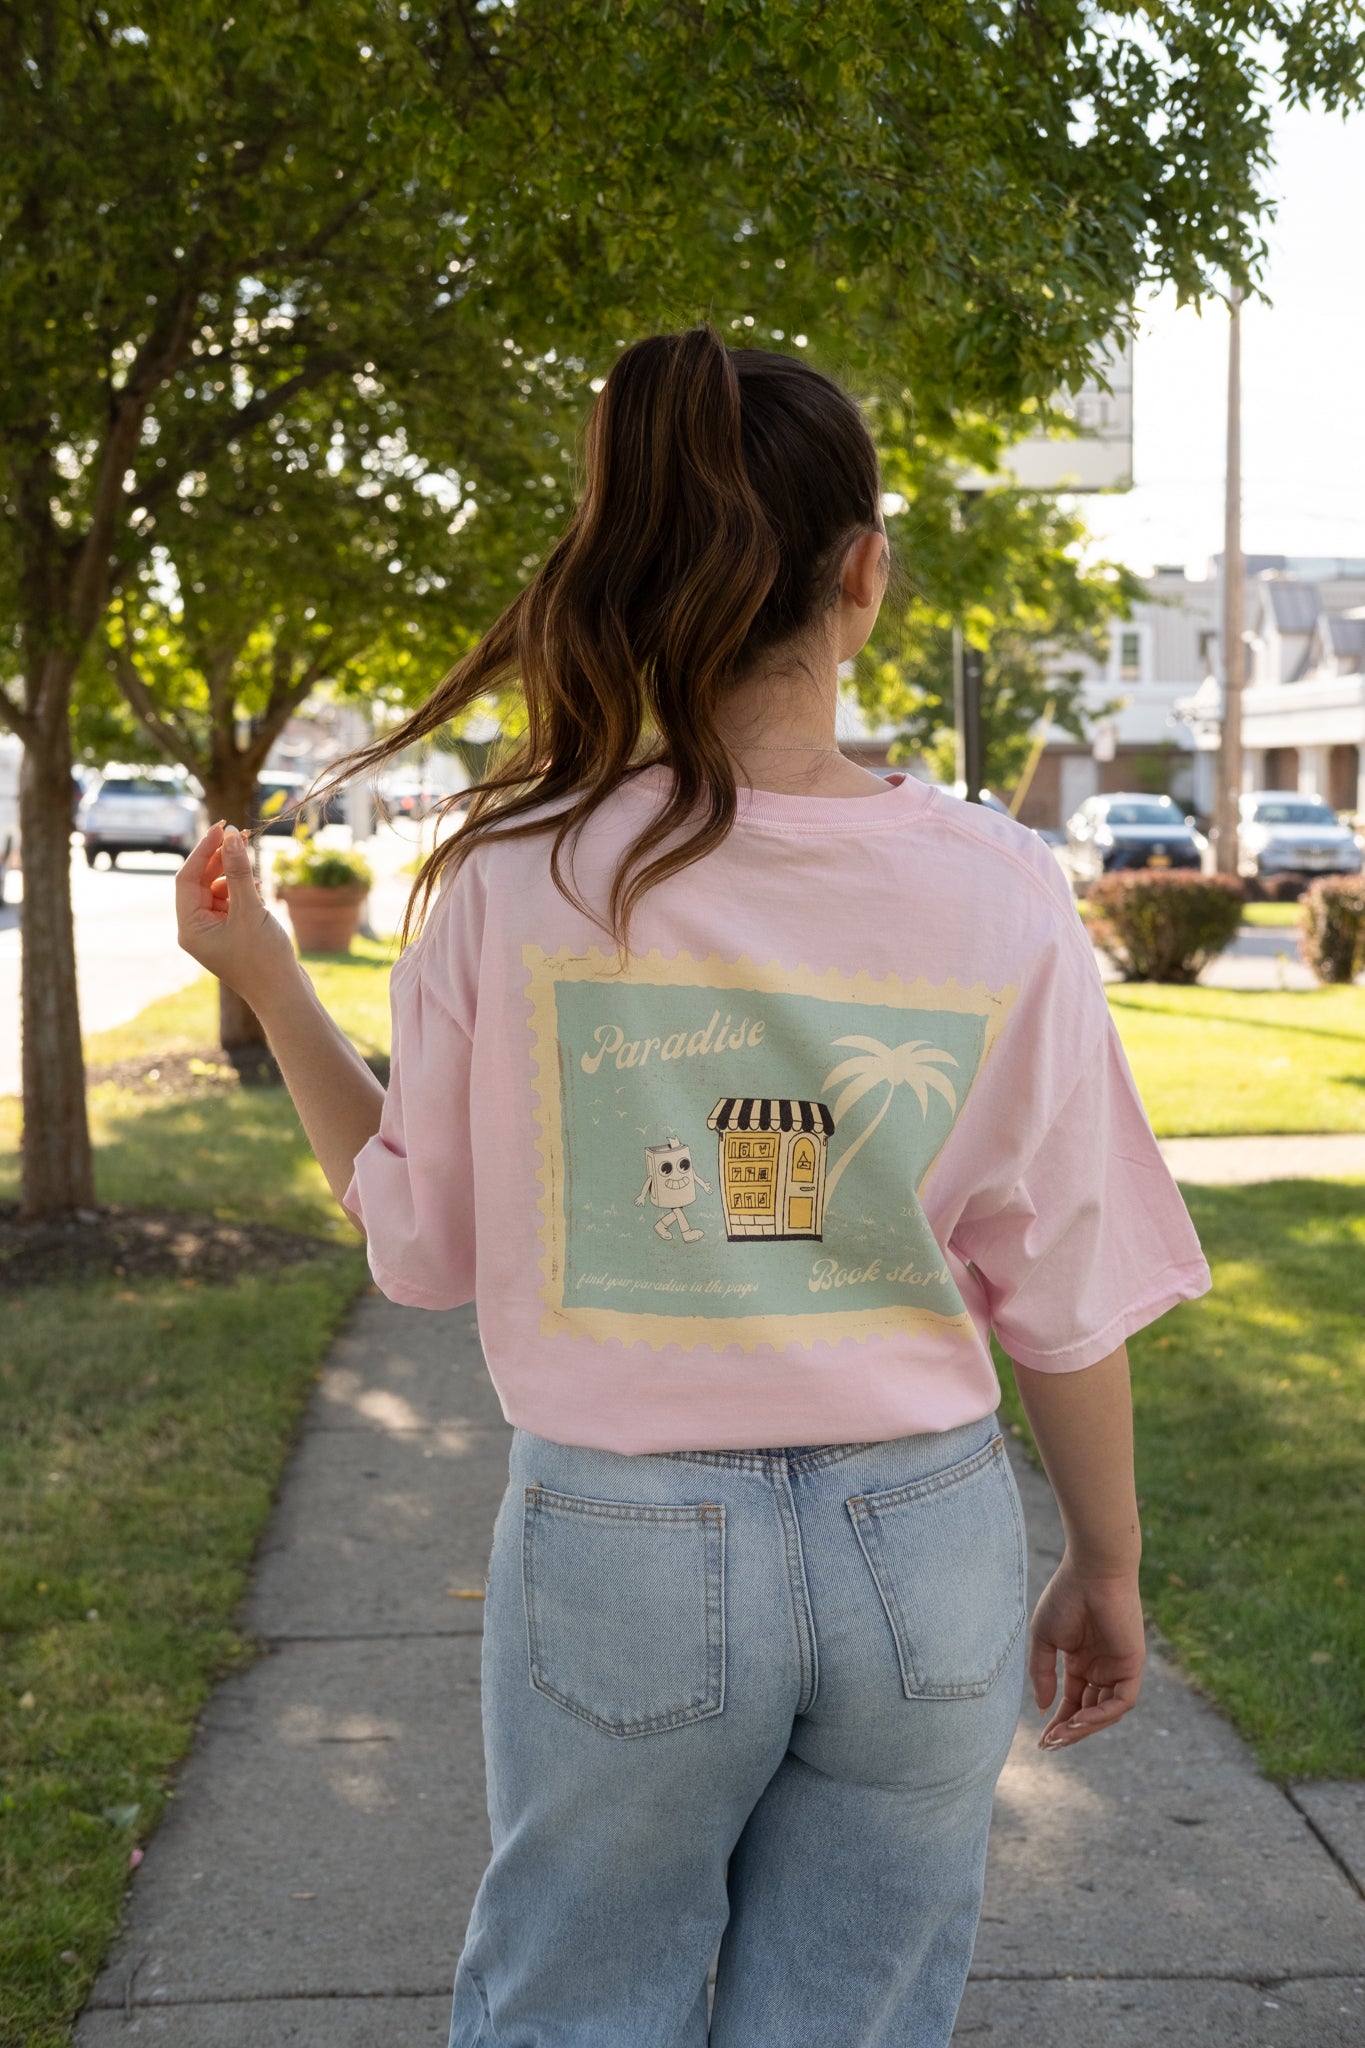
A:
<point x="721" y="487"/>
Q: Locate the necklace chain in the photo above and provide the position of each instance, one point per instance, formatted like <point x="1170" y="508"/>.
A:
<point x="764" y="749"/>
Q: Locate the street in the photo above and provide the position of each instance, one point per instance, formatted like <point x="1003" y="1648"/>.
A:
<point x="127" y="955"/>
<point x="126" y="951"/>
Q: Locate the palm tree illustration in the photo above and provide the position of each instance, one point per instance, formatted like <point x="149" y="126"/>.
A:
<point x="914" y="1064"/>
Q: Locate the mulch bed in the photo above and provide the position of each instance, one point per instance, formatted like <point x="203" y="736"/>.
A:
<point x="209" y="1069"/>
<point x="188" y="1073"/>
<point x="141" y="1244"/>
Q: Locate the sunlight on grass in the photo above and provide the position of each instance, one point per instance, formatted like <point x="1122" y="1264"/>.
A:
<point x="354" y="986"/>
<point x="1250" y="1408"/>
<point x="1211" y="1061"/>
<point x="143" y="1428"/>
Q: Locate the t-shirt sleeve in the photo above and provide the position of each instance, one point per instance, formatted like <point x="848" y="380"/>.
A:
<point x="1094" y="1240"/>
<point x="412" y="1188"/>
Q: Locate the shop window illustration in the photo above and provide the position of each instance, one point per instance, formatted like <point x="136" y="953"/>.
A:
<point x="913" y="1065"/>
<point x="772" y="1165"/>
<point x="671" y="1183"/>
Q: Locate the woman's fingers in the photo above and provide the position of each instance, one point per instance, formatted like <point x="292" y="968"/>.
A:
<point x="193" y="876"/>
<point x="1072" y="1724"/>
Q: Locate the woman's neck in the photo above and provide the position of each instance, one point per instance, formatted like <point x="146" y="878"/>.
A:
<point x="778" y="726"/>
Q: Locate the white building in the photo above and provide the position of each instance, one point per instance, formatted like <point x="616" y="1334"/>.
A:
<point x="1303" y="712"/>
<point x="1303" y="706"/>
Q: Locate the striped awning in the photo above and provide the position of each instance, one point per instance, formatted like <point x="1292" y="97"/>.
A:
<point x="765" y="1113"/>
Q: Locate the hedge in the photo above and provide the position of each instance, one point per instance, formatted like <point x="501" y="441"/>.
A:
<point x="1332" y="927"/>
<point x="1157" y="926"/>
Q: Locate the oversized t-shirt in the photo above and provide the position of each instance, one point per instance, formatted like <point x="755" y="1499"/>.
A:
<point x="852" y="1101"/>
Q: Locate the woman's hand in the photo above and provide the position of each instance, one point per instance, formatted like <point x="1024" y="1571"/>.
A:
<point x="1096" y="1624"/>
<point x="222" y="921"/>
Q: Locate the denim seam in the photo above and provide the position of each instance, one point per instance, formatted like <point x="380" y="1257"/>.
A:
<point x="623" y="1510"/>
<point x="937" y="1482"/>
<point x="864" y="1518"/>
<point x="709" y="1518"/>
<point x="761" y="1461"/>
<point x="806" y="1647"/>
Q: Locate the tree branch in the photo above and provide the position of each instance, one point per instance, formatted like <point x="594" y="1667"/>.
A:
<point x="234" y="424"/>
<point x="17" y="719"/>
<point x="153" y="363"/>
<point x="282" y="703"/>
<point x="171" y="737"/>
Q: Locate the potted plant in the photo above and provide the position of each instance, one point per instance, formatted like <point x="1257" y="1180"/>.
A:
<point x="323" y="888"/>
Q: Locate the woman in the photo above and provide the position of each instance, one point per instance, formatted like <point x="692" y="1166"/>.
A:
<point x="749" y="1093"/>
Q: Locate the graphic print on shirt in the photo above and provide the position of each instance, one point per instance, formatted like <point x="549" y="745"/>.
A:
<point x="822" y="1100"/>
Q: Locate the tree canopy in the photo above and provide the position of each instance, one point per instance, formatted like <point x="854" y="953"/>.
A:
<point x="218" y="229"/>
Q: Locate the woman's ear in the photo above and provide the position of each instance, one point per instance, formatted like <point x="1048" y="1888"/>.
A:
<point x="862" y="585"/>
<point x="866" y="567"/>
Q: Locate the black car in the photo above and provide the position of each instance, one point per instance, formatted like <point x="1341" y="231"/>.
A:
<point x="1110" y="833"/>
<point x="280" y="787"/>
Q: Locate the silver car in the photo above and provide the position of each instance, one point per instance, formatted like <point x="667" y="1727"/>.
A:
<point x="142" y="810"/>
<point x="1282" y="836"/>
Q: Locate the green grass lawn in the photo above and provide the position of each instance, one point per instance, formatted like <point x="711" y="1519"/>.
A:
<point x="236" y="1154"/>
<point x="144" y="1430"/>
<point x="1276" y="916"/>
<point x="144" y="1424"/>
<point x="1250" y="1408"/>
<point x="1212" y="1060"/>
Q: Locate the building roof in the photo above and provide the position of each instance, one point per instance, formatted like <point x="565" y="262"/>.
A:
<point x="1345" y="640"/>
<point x="1295" y="605"/>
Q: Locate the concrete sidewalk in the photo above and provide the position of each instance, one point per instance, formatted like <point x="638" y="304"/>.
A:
<point x="1225" y="1162"/>
<point x="311" y="1880"/>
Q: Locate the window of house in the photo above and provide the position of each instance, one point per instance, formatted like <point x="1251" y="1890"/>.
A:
<point x="1130" y="656"/>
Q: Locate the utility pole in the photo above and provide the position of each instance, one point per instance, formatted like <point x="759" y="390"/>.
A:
<point x="969" y="668"/>
<point x="1229" y="787"/>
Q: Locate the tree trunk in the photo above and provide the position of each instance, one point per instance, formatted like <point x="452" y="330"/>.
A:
<point x="58" y="1173"/>
<point x="228" y="795"/>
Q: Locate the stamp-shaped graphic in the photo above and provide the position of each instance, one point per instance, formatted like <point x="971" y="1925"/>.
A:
<point x="824" y="1100"/>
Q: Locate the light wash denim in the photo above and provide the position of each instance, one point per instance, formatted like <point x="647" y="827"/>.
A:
<point x="757" y="1699"/>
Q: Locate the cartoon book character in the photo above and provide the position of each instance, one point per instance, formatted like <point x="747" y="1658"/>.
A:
<point x="671" y="1184"/>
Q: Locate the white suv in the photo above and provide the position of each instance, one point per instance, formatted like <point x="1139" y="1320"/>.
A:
<point x="142" y="810"/>
<point x="1283" y="836"/>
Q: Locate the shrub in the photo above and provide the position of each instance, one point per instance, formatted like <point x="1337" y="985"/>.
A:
<point x="306" y="865"/>
<point x="1164" y="927"/>
<point x="1332" y="926"/>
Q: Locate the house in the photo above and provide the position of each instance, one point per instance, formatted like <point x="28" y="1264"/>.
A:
<point x="1303" y="702"/>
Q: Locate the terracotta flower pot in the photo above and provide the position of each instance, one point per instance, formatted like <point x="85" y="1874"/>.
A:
<point x="324" y="920"/>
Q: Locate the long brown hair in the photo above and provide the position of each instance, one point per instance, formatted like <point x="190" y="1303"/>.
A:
<point x="721" y="488"/>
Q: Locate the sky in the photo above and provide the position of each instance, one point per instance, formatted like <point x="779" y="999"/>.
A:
<point x="1303" y="383"/>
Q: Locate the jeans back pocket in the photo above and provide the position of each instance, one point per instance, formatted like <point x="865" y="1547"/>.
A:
<point x="948" y="1557"/>
<point x="625" y="1609"/>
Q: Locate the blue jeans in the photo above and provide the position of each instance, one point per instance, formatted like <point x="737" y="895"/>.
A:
<point x="757" y="1699"/>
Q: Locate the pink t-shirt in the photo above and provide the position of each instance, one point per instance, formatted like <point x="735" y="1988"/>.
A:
<point x="854" y="1101"/>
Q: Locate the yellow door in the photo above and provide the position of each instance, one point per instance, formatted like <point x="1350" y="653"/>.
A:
<point x="801" y="1186"/>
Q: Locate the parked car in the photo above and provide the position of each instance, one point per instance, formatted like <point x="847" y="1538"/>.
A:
<point x="274" y="792"/>
<point x="280" y="787"/>
<point x="142" y="810"/>
<point x="11" y="754"/>
<point x="1284" y="837"/>
<point x="1130" y="830"/>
